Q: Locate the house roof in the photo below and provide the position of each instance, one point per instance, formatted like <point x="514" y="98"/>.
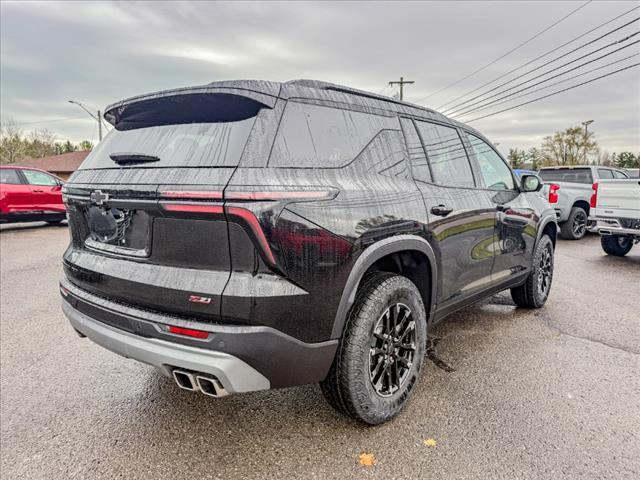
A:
<point x="65" y="163"/>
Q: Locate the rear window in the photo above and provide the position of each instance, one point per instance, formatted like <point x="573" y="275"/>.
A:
<point x="187" y="131"/>
<point x="570" y="175"/>
<point x="313" y="136"/>
<point x="10" y="176"/>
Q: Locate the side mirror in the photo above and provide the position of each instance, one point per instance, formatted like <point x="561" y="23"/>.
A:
<point x="531" y="183"/>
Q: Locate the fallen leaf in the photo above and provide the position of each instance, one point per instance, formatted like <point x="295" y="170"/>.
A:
<point x="368" y="459"/>
<point x="430" y="442"/>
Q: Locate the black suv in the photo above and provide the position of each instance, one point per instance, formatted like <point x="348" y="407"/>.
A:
<point x="248" y="235"/>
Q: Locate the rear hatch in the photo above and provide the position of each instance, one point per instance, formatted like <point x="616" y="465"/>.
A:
<point x="145" y="208"/>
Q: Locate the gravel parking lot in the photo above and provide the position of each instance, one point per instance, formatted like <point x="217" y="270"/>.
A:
<point x="506" y="393"/>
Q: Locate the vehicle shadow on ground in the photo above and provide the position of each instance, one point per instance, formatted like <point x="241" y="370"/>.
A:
<point x="12" y="227"/>
<point x="253" y="419"/>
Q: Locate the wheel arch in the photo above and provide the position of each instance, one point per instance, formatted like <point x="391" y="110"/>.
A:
<point x="582" y="204"/>
<point x="550" y="227"/>
<point x="382" y="256"/>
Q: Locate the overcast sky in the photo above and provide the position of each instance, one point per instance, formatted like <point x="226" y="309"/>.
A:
<point x="98" y="53"/>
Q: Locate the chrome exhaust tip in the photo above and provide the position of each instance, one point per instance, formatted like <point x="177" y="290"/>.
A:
<point x="211" y="386"/>
<point x="185" y="380"/>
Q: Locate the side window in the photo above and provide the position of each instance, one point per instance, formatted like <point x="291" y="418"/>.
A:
<point x="605" y="173"/>
<point x="617" y="174"/>
<point x="39" y="178"/>
<point x="419" y="165"/>
<point x="313" y="136"/>
<point x="447" y="157"/>
<point x="9" y="175"/>
<point x="495" y="173"/>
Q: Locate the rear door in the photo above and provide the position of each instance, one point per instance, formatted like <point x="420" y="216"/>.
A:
<point x="516" y="220"/>
<point x="461" y="215"/>
<point x="15" y="193"/>
<point x="146" y="208"/>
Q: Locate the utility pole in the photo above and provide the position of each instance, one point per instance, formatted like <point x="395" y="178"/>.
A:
<point x="402" y="82"/>
<point x="586" y="137"/>
<point x="93" y="115"/>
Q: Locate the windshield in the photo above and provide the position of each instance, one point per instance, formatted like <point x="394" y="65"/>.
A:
<point x="185" y="145"/>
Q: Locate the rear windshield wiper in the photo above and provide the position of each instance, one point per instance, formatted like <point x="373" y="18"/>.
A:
<point x="132" y="158"/>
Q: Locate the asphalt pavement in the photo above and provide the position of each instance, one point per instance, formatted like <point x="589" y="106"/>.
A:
<point x="505" y="393"/>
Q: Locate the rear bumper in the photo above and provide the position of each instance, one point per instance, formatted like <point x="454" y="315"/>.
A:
<point x="243" y="358"/>
<point x="612" y="226"/>
<point x="234" y="374"/>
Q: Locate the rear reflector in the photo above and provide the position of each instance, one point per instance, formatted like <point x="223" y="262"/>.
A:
<point x="188" y="332"/>
<point x="191" y="208"/>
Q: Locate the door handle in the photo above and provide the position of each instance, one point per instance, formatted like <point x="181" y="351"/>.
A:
<point x="441" y="210"/>
<point x="38" y="191"/>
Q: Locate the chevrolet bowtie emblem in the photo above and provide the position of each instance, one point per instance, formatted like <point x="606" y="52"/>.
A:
<point x="98" y="197"/>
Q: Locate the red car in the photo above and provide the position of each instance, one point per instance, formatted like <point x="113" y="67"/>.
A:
<point x="30" y="195"/>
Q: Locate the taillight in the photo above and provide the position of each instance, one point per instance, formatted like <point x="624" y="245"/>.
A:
<point x="594" y="195"/>
<point x="553" y="192"/>
<point x="188" y="332"/>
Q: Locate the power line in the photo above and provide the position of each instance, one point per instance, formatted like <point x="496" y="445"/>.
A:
<point x="552" y="94"/>
<point x="455" y="108"/>
<point x="552" y="84"/>
<point x="456" y="111"/>
<point x="542" y="56"/>
<point x="508" y="53"/>
<point x="470" y="108"/>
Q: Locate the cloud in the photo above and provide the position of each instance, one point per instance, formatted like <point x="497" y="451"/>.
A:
<point x="101" y="52"/>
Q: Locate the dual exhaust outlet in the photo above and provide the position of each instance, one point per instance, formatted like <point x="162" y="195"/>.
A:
<point x="207" y="384"/>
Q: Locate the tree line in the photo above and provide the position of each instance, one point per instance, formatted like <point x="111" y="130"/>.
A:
<point x="15" y="145"/>
<point x="572" y="146"/>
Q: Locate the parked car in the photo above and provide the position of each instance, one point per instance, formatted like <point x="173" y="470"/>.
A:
<point x="30" y="195"/>
<point x="615" y="206"/>
<point x="248" y="235"/>
<point x="569" y="191"/>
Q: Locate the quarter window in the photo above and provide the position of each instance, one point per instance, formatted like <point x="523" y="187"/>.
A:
<point x="448" y="159"/>
<point x="617" y="174"/>
<point x="495" y="173"/>
<point x="39" y="178"/>
<point x="313" y="136"/>
<point x="9" y="175"/>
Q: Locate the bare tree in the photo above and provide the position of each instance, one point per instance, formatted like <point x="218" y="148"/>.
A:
<point x="12" y="146"/>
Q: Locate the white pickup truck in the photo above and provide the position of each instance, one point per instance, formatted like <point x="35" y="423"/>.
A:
<point x="615" y="209"/>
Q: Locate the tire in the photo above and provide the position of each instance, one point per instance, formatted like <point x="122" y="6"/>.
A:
<point x="617" y="245"/>
<point x="576" y="225"/>
<point x="349" y="386"/>
<point x="535" y="290"/>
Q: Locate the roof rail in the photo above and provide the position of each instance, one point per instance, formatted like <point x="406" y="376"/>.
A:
<point x="352" y="91"/>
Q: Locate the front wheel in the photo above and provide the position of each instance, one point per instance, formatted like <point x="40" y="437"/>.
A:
<point x="535" y="291"/>
<point x="380" y="354"/>
<point x="616" y="244"/>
